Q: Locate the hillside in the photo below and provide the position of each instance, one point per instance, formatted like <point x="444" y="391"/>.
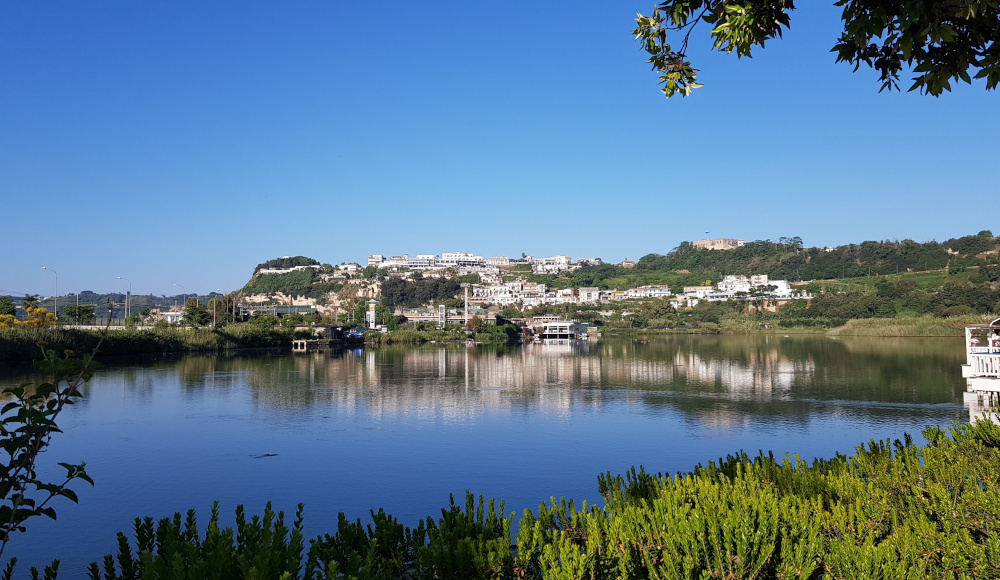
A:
<point x="786" y="259"/>
<point x="870" y="279"/>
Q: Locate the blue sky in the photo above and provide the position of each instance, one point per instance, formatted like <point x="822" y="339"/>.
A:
<point x="186" y="142"/>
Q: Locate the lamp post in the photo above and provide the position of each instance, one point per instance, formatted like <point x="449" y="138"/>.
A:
<point x="215" y="306"/>
<point x="127" y="295"/>
<point x="184" y="295"/>
<point x="55" y="297"/>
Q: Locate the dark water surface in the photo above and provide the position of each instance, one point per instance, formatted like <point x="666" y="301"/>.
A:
<point x="402" y="427"/>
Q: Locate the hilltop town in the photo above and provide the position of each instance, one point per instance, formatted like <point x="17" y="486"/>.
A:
<point x="696" y="285"/>
<point x="502" y="282"/>
<point x="724" y="284"/>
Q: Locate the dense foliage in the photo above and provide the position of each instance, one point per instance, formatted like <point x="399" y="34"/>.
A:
<point x="940" y="41"/>
<point x="786" y="259"/>
<point x="286" y="262"/>
<point x="27" y="423"/>
<point x="34" y="318"/>
<point x="397" y="292"/>
<point x="892" y="510"/>
<point x="857" y="281"/>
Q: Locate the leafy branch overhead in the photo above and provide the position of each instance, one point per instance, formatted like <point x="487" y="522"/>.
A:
<point x="937" y="40"/>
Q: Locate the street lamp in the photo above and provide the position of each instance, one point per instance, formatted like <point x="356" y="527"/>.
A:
<point x="181" y="286"/>
<point x="215" y="305"/>
<point x="129" y="293"/>
<point x="55" y="298"/>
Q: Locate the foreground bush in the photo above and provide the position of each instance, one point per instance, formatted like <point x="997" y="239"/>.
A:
<point x="892" y="510"/>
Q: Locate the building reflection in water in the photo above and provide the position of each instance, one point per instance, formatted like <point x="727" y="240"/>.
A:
<point x="719" y="381"/>
<point x="712" y="380"/>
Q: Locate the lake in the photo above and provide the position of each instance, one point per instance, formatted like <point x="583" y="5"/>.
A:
<point x="403" y="427"/>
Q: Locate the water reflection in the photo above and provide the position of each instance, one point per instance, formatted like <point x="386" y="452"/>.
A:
<point x="747" y="374"/>
<point x="402" y="427"/>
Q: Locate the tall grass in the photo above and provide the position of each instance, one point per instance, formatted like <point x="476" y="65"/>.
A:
<point x="411" y="336"/>
<point x="923" y="325"/>
<point x="22" y="343"/>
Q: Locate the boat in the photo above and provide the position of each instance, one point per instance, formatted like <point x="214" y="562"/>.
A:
<point x="982" y="370"/>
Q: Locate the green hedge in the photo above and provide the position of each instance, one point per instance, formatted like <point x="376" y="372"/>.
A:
<point x="892" y="510"/>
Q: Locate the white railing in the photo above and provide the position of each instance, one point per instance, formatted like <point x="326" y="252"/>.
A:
<point x="984" y="349"/>
<point x="985" y="366"/>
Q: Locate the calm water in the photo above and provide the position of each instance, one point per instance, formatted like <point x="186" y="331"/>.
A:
<point x="401" y="428"/>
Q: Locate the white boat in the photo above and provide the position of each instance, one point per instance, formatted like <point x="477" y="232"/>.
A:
<point x="982" y="370"/>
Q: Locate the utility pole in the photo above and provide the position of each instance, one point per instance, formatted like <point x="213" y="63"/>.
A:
<point x="127" y="296"/>
<point x="55" y="297"/>
<point x="466" y="286"/>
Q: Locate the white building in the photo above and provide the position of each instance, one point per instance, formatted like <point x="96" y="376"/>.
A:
<point x="457" y="259"/>
<point x="650" y="291"/>
<point x="699" y="291"/>
<point x="551" y="265"/>
<point x="719" y="244"/>
<point x="734" y="284"/>
<point x="589" y="294"/>
<point x="266" y="271"/>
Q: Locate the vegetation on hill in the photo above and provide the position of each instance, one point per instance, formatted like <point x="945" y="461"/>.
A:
<point x="285" y="262"/>
<point x="786" y="259"/>
<point x="397" y="292"/>
<point x="306" y="283"/>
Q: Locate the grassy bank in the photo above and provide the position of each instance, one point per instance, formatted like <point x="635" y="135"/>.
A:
<point x="22" y="343"/>
<point x="892" y="510"/>
<point x="925" y="325"/>
<point x="707" y="328"/>
<point x="921" y="325"/>
<point x="410" y="336"/>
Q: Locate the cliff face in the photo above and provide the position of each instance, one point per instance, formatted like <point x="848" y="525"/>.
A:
<point x="349" y="294"/>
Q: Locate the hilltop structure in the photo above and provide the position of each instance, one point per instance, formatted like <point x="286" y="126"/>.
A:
<point x="719" y="244"/>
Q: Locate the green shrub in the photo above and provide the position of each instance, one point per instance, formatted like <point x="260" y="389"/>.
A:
<point x="893" y="509"/>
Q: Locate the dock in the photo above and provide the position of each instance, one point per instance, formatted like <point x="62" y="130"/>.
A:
<point x="982" y="371"/>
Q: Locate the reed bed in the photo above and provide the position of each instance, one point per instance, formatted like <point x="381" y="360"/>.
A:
<point x="924" y="325"/>
<point x="22" y="343"/>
